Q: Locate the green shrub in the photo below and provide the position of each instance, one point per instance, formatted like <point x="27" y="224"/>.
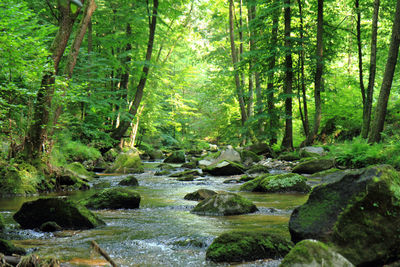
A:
<point x="76" y="151"/>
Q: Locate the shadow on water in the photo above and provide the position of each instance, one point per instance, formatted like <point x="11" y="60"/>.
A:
<point x="162" y="232"/>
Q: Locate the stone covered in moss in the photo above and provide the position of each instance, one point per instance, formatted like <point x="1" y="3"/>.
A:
<point x="258" y="169"/>
<point x="225" y="168"/>
<point x="128" y="162"/>
<point x="329" y="176"/>
<point x="289" y="156"/>
<point x="113" y="198"/>
<point x="176" y="157"/>
<point x="190" y="165"/>
<point x="74" y="176"/>
<point x="360" y="214"/>
<point x="314" y="165"/>
<point x="247" y="246"/>
<point x="8" y="248"/>
<point x="185" y="173"/>
<point x="65" y="212"/>
<point x="223" y="204"/>
<point x="50" y="227"/>
<point x="129" y="181"/>
<point x="162" y="173"/>
<point x="156" y="154"/>
<point x="249" y="157"/>
<point x="288" y="182"/>
<point x="200" y="194"/>
<point x="312" y="151"/>
<point x="262" y="149"/>
<point x="312" y="253"/>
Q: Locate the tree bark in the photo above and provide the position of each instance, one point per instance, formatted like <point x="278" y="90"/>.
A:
<point x="360" y="60"/>
<point x="318" y="72"/>
<point x="287" y="142"/>
<point x="119" y="132"/>
<point x="381" y="107"/>
<point x="372" y="73"/>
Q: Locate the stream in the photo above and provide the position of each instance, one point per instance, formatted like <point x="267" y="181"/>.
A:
<point x="162" y="232"/>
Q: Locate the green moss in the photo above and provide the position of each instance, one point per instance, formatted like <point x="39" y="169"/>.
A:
<point x="247" y="246"/>
<point x="162" y="173"/>
<point x="2" y="224"/>
<point x="289" y="156"/>
<point x="113" y="198"/>
<point x="76" y="151"/>
<point x="246" y="155"/>
<point x="78" y="170"/>
<point x="129" y="162"/>
<point x="288" y="182"/>
<point x="8" y="248"/>
<point x="254" y="183"/>
<point x="324" y="173"/>
<point x="258" y="169"/>
<point x="129" y="181"/>
<point x="186" y="173"/>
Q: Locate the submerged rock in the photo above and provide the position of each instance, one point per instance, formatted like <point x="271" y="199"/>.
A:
<point x="312" y="253"/>
<point x="176" y="157"/>
<point x="359" y="214"/>
<point x="129" y="181"/>
<point x="50" y="227"/>
<point x="247" y="246"/>
<point x="128" y="162"/>
<point x="314" y="165"/>
<point x="8" y="248"/>
<point x="65" y="212"/>
<point x="225" y="168"/>
<point x="288" y="182"/>
<point x="200" y="194"/>
<point x="223" y="204"/>
<point x="113" y="198"/>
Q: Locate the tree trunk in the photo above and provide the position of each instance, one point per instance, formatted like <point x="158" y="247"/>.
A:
<point x="287" y="142"/>
<point x="273" y="118"/>
<point x="119" y="132"/>
<point x="372" y="72"/>
<point x="360" y="61"/>
<point x="239" y="90"/>
<point x="318" y="72"/>
<point x="381" y="107"/>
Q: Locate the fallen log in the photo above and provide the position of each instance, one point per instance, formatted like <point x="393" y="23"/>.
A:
<point x="103" y="253"/>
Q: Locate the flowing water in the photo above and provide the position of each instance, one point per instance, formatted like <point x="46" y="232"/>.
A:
<point x="162" y="232"/>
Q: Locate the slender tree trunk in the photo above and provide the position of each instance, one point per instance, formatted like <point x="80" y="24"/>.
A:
<point x="360" y="60"/>
<point x="305" y="121"/>
<point x="287" y="142"/>
<point x="318" y="72"/>
<point x="239" y="91"/>
<point x="381" y="107"/>
<point x="372" y="72"/>
<point x="273" y="118"/>
<point x="119" y="132"/>
<point x="250" y="104"/>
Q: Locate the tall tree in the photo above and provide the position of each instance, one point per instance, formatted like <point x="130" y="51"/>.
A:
<point x="287" y="142"/>
<point x="318" y="72"/>
<point x="372" y="71"/>
<point x="381" y="106"/>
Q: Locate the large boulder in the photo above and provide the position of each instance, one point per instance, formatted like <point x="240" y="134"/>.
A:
<point x="312" y="253"/>
<point x="73" y="176"/>
<point x="229" y="154"/>
<point x="223" y="204"/>
<point x="314" y="165"/>
<point x="311" y="151"/>
<point x="225" y="168"/>
<point x="248" y="157"/>
<point x="247" y="246"/>
<point x="287" y="182"/>
<point x="262" y="149"/>
<point x="359" y="214"/>
<point x="8" y="248"/>
<point x="156" y="154"/>
<point x="113" y="198"/>
<point x="65" y="212"/>
<point x="200" y="194"/>
<point x="176" y="157"/>
<point x="129" y="181"/>
<point x="128" y="162"/>
<point x="185" y="173"/>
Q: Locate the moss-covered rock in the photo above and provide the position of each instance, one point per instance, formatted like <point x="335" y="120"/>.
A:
<point x="314" y="165"/>
<point x="312" y="253"/>
<point x="248" y="157"/>
<point x="311" y="151"/>
<point x="258" y="169"/>
<point x="329" y="176"/>
<point x="8" y="248"/>
<point x="185" y="173"/>
<point x="228" y="154"/>
<point x="246" y="178"/>
<point x="156" y="154"/>
<point x="190" y="165"/>
<point x="223" y="204"/>
<point x="164" y="166"/>
<point x="247" y="246"/>
<point x="128" y="162"/>
<point x="110" y="155"/>
<point x="73" y="177"/>
<point x="288" y="182"/>
<point x="359" y="214"/>
<point x="50" y="227"/>
<point x="262" y="149"/>
<point x="200" y="194"/>
<point x="289" y="156"/>
<point x="162" y="173"/>
<point x="224" y="168"/>
<point x="65" y="212"/>
<point x="129" y="181"/>
<point x="113" y="198"/>
<point x="187" y="178"/>
<point x="176" y="157"/>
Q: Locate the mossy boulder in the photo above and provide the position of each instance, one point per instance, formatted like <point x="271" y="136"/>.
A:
<point x="113" y="198"/>
<point x="185" y="173"/>
<point x="50" y="227"/>
<point x="129" y="181"/>
<point x="225" y="168"/>
<point x="162" y="173"/>
<point x="312" y="253"/>
<point x="246" y="178"/>
<point x="329" y="176"/>
<point x="110" y="155"/>
<point x="262" y="149"/>
<point x="187" y="178"/>
<point x="176" y="157"/>
<point x="127" y="162"/>
<point x="65" y="212"/>
<point x="74" y="176"/>
<point x="228" y="154"/>
<point x="223" y="204"/>
<point x="248" y="157"/>
<point x="289" y="156"/>
<point x="200" y="194"/>
<point x="258" y="169"/>
<point x="8" y="248"/>
<point x="311" y="151"/>
<point x="164" y="166"/>
<point x="190" y="165"/>
<point x="313" y="166"/>
<point x="359" y="214"/>
<point x="247" y="246"/>
<point x="288" y="182"/>
<point x="156" y="154"/>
